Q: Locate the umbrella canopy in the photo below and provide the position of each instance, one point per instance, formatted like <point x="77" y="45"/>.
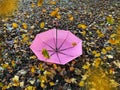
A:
<point x="56" y="46"/>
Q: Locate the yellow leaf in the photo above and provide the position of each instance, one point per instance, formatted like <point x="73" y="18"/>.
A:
<point x="83" y="33"/>
<point x="108" y="48"/>
<point x="33" y="57"/>
<point x="8" y="7"/>
<point x="103" y="51"/>
<point x="110" y="19"/>
<point x="52" y="2"/>
<point x="24" y="25"/>
<point x="32" y="5"/>
<point x="13" y="63"/>
<point x="100" y="34"/>
<point x="4" y="87"/>
<point x="58" y="16"/>
<point x="14" y="25"/>
<point x="70" y="17"/>
<point x="112" y="35"/>
<point x="86" y="66"/>
<point x="114" y="83"/>
<point x="32" y="69"/>
<point x="51" y="83"/>
<point x="39" y="2"/>
<point x="53" y="13"/>
<point x="97" y="62"/>
<point x="81" y="83"/>
<point x="25" y="38"/>
<point x="5" y="65"/>
<point x="42" y="25"/>
<point x="97" y="55"/>
<point x="113" y="41"/>
<point x="94" y="52"/>
<point x="42" y="85"/>
<point x="45" y="53"/>
<point x="30" y="88"/>
<point x="83" y="26"/>
<point x="1" y="84"/>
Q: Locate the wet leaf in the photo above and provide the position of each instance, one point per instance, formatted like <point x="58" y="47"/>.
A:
<point x="45" y="53"/>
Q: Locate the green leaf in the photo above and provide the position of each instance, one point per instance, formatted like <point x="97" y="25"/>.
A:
<point x="45" y="53"/>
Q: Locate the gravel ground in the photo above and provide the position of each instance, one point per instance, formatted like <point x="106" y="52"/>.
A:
<point x="20" y="69"/>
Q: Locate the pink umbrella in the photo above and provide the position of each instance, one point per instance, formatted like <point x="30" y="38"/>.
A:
<point x="56" y="46"/>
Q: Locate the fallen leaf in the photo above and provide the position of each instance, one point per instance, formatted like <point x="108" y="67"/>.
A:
<point x="97" y="62"/>
<point x="24" y="25"/>
<point x="83" y="26"/>
<point x="45" y="53"/>
<point x="71" y="18"/>
<point x="103" y="51"/>
<point x="51" y="83"/>
<point x="42" y="25"/>
<point x="14" y="25"/>
<point x="81" y="83"/>
<point x="97" y="55"/>
<point x="86" y="66"/>
<point x="32" y="69"/>
<point x="39" y="3"/>
<point x="110" y="19"/>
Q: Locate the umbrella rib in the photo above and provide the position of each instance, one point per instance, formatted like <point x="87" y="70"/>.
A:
<point x="58" y="57"/>
<point x="48" y="45"/>
<point x="56" y="38"/>
<point x="63" y="41"/>
<point x="66" y="54"/>
<point x="66" y="49"/>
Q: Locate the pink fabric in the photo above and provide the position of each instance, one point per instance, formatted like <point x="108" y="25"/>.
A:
<point x="65" y="43"/>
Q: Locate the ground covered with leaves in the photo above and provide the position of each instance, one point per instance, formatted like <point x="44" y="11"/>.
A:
<point x="96" y="22"/>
